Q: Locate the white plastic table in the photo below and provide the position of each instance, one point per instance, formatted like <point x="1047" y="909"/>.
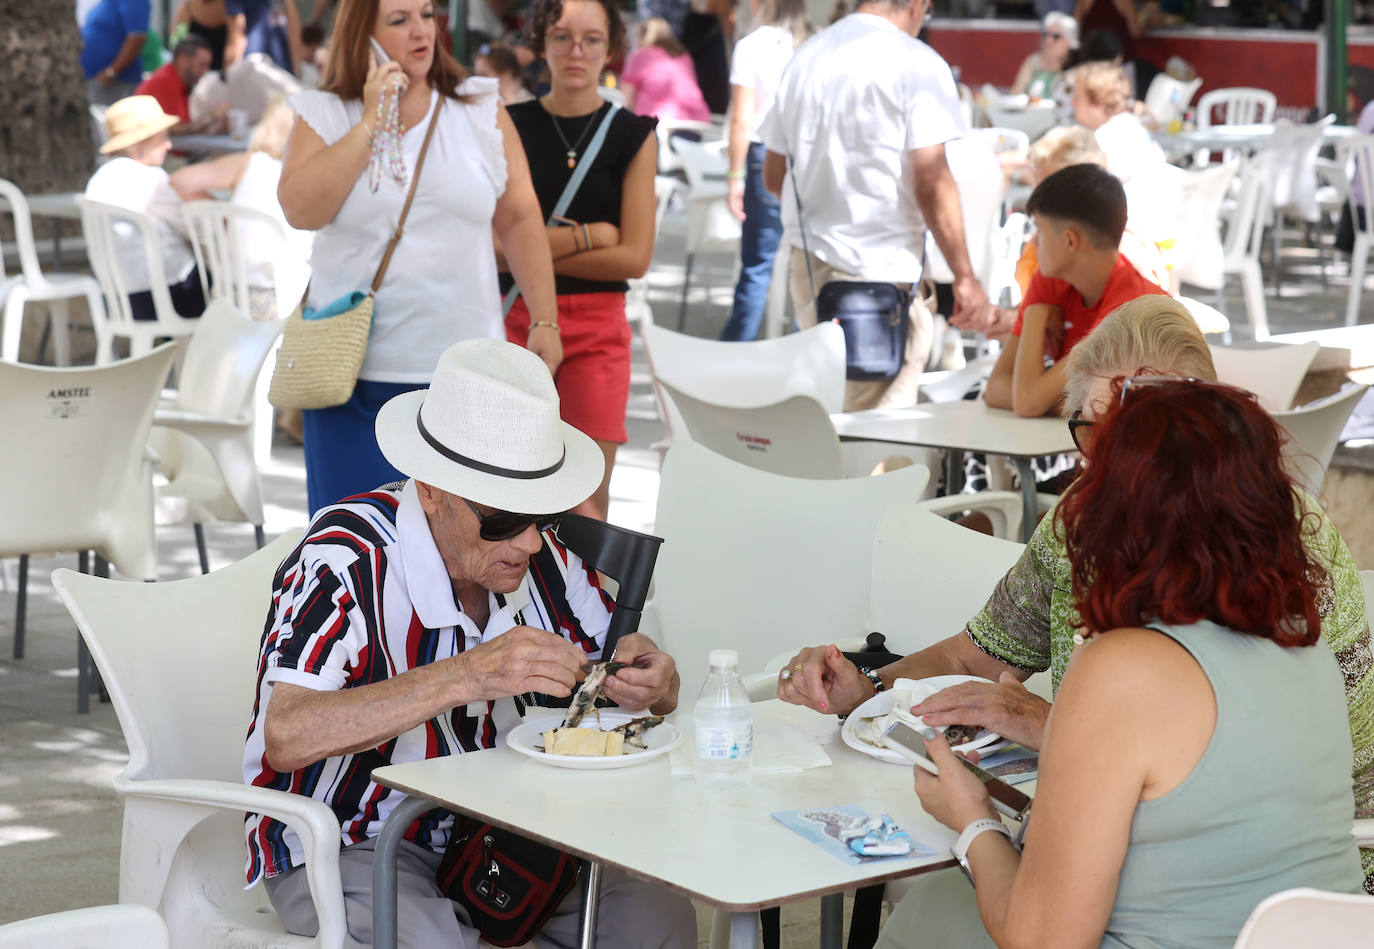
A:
<point x="721" y="847"/>
<point x="209" y="144"/>
<point x="1217" y="138"/>
<point x="966" y="425"/>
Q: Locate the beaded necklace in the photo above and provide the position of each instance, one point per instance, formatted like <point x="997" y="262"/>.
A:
<point x="572" y="149"/>
<point x="387" y="157"/>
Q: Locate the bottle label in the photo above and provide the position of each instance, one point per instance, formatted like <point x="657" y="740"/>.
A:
<point x="725" y="742"/>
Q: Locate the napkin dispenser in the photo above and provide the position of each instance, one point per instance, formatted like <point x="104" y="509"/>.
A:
<point x="626" y="556"/>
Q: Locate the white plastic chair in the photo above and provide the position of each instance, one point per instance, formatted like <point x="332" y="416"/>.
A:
<point x="31" y="285"/>
<point x="1316" y="430"/>
<point x="220" y="233"/>
<point x="810" y="362"/>
<point x="1358" y="153"/>
<point x="103" y="225"/>
<point x="710" y="225"/>
<point x="1245" y="239"/>
<point x="755" y="539"/>
<point x="1296" y="185"/>
<point x="1195" y="199"/>
<point x="184" y="798"/>
<point x="1237" y="105"/>
<point x="77" y="476"/>
<point x="1308" y="917"/>
<point x="669" y="162"/>
<point x="1167" y="98"/>
<point x="96" y="927"/>
<point x="1271" y="372"/>
<point x="794" y="437"/>
<point x="637" y="309"/>
<point x="204" y="435"/>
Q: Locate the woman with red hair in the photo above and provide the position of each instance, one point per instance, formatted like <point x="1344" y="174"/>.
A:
<point x="1198" y="757"/>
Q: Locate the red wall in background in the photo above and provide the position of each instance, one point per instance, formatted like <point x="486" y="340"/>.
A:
<point x="1287" y="67"/>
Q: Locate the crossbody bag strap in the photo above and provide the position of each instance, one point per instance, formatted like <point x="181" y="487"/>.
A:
<point x="410" y="197"/>
<point x="801" y="227"/>
<point x="806" y="251"/>
<point x="570" y="189"/>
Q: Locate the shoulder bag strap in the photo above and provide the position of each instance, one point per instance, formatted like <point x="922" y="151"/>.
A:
<point x="570" y="189"/>
<point x="801" y="227"/>
<point x="410" y="197"/>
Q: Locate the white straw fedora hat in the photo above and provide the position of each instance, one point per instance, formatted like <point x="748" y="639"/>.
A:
<point x="131" y="120"/>
<point x="487" y="429"/>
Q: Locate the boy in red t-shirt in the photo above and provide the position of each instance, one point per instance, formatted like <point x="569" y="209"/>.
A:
<point x="1080" y="214"/>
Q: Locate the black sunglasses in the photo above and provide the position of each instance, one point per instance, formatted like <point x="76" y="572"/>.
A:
<point x="1076" y="423"/>
<point x="503" y="525"/>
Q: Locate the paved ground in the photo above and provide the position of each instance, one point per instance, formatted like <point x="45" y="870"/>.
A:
<point x="59" y="819"/>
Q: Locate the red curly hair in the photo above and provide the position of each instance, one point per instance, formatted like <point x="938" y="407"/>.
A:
<point x="1185" y="512"/>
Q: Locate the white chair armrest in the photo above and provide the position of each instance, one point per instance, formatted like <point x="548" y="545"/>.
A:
<point x="193" y="423"/>
<point x="312" y="820"/>
<point x="773" y="666"/>
<point x="761" y="686"/>
<point x="1363" y="832"/>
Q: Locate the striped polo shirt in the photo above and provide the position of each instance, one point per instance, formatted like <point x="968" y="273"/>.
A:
<point x="364" y="597"/>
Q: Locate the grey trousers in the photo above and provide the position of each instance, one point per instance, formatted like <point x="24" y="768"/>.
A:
<point x="940" y="911"/>
<point x="897" y="392"/>
<point x="633" y="914"/>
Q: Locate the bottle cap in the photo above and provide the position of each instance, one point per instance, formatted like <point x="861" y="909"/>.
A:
<point x="721" y="658"/>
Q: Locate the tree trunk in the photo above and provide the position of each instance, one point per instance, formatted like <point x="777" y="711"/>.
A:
<point x="45" y="127"/>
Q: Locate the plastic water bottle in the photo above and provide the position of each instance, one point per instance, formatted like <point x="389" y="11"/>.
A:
<point x="724" y="720"/>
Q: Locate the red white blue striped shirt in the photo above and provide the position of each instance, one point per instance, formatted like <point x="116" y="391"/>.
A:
<point x="364" y="597"/>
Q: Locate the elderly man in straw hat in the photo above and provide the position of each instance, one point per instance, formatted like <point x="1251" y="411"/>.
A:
<point x="412" y="621"/>
<point x="134" y="179"/>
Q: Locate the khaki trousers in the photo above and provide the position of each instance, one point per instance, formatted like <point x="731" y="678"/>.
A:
<point x="896" y="392"/>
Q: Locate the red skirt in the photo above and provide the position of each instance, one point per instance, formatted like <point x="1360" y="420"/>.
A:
<point x="594" y="379"/>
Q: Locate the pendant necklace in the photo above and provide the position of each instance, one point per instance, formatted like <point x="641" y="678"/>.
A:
<point x="572" y="149"/>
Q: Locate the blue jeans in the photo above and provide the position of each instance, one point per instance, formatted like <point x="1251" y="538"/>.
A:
<point x="758" y="245"/>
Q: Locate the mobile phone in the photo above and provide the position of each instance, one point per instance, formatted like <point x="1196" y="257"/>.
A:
<point x="907" y="741"/>
<point x="377" y="51"/>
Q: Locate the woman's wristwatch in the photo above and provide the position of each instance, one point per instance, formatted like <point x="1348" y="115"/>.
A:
<point x="960" y="849"/>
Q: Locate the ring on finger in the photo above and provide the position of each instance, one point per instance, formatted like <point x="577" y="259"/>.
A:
<point x="786" y="675"/>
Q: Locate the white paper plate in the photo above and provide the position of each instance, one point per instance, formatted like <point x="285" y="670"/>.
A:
<point x="881" y="704"/>
<point x="528" y="737"/>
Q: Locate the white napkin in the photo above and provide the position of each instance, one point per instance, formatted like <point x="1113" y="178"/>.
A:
<point x="787" y="738"/>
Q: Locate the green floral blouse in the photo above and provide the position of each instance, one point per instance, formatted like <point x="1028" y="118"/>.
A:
<point x="1029" y="622"/>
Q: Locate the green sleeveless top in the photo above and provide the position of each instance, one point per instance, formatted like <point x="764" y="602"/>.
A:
<point x="1268" y="807"/>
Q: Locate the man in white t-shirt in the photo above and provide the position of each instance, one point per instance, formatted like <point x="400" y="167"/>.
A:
<point x="862" y="116"/>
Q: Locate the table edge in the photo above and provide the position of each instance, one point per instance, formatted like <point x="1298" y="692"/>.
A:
<point x="667" y="884"/>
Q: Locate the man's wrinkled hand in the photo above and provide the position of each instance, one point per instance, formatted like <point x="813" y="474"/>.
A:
<point x="1005" y="707"/>
<point x="648" y="681"/>
<point x="821" y="678"/>
<point x="522" y="660"/>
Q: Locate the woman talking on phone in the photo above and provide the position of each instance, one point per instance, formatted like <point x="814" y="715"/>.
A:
<point x="346" y="171"/>
<point x="1198" y="755"/>
<point x="605" y="233"/>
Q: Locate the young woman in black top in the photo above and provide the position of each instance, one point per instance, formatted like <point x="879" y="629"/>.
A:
<point x="608" y="236"/>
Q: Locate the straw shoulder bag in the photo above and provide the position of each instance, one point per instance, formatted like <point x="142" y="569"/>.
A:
<point x="322" y="350"/>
